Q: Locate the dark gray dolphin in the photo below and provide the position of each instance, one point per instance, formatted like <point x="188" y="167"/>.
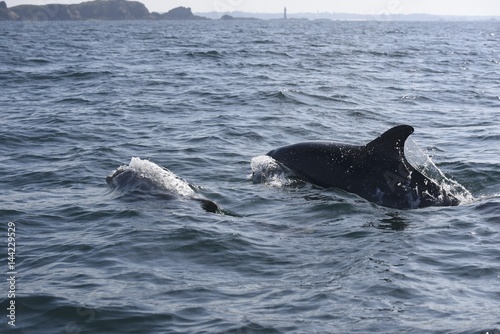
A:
<point x="377" y="171"/>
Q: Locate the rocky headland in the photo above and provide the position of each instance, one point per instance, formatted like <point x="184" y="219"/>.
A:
<point x="92" y="10"/>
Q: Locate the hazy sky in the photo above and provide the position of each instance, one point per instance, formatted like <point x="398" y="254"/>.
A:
<point x="375" y="7"/>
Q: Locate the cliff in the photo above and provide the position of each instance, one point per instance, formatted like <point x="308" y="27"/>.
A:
<point x="92" y="10"/>
<point x="6" y="14"/>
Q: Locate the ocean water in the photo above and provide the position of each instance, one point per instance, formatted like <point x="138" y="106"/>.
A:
<point x="193" y="106"/>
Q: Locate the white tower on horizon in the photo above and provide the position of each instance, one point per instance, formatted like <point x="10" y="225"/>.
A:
<point x="284" y="14"/>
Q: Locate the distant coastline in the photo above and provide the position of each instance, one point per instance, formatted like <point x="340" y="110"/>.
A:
<point x="135" y="10"/>
<point x="92" y="10"/>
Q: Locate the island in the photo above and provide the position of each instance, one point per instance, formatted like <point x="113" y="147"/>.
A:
<point x="227" y="17"/>
<point x="92" y="10"/>
<point x="179" y="13"/>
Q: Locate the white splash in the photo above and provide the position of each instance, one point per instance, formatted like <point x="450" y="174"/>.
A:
<point x="424" y="164"/>
<point x="267" y="170"/>
<point x="160" y="176"/>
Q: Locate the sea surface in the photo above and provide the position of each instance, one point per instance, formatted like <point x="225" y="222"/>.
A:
<point x="194" y="107"/>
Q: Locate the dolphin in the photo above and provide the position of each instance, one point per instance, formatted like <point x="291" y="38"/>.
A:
<point x="129" y="180"/>
<point x="377" y="171"/>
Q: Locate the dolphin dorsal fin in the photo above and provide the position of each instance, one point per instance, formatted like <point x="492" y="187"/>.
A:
<point x="391" y="142"/>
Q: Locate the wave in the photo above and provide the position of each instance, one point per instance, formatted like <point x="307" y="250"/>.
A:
<point x="64" y="74"/>
<point x="205" y="54"/>
<point x="48" y="311"/>
<point x="299" y="97"/>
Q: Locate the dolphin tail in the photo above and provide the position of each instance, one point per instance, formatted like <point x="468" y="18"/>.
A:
<point x="209" y="205"/>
